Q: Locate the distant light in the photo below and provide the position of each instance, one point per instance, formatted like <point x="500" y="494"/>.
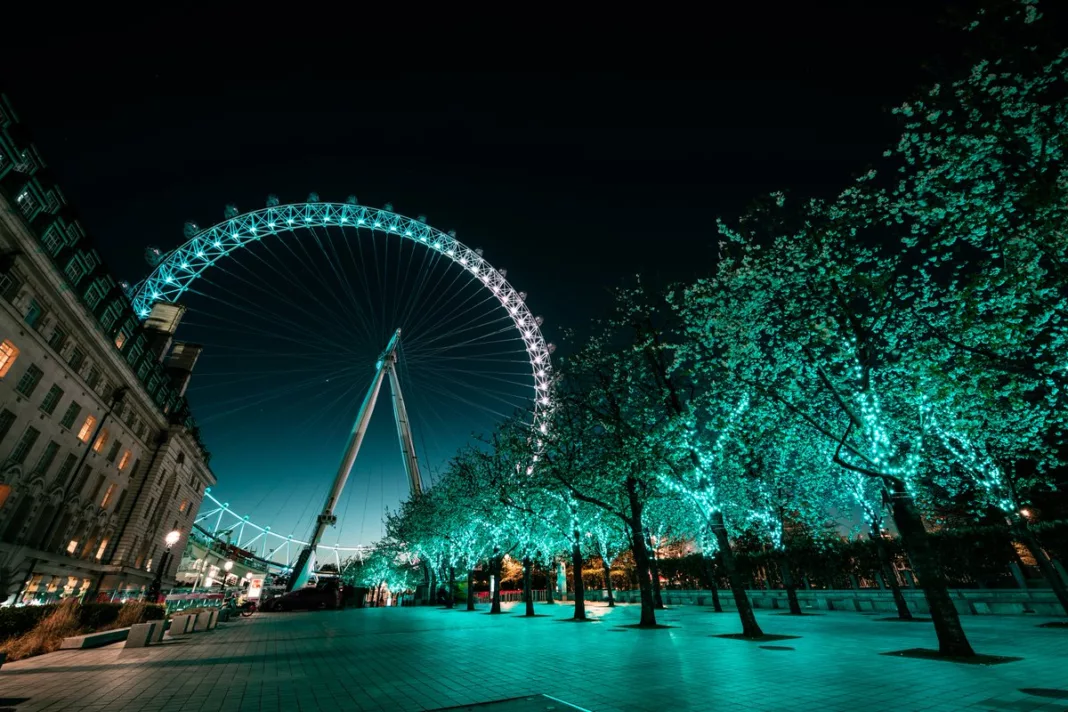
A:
<point x="235" y="236"/>
<point x="218" y="244"/>
<point x="169" y="279"/>
<point x="155" y="295"/>
<point x="378" y="225"/>
<point x="200" y="254"/>
<point x="360" y="221"/>
<point x="1025" y="512"/>
<point x="252" y="230"/>
<point x="344" y="219"/>
<point x="289" y="221"/>
<point x="270" y="224"/>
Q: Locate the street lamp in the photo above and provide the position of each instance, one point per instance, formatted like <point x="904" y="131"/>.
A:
<point x="226" y="567"/>
<point x="170" y="540"/>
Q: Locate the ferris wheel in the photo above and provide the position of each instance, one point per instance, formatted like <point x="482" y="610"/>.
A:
<point x="303" y="310"/>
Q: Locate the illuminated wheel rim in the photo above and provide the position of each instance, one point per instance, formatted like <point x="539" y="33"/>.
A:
<point x="179" y="269"/>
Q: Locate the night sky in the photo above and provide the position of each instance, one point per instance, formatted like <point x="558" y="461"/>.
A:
<point x="572" y="181"/>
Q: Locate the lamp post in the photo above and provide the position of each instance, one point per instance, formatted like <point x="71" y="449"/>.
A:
<point x="170" y="540"/>
<point x="226" y="573"/>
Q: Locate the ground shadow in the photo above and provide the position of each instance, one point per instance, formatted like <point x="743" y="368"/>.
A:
<point x="927" y="654"/>
<point x="765" y="638"/>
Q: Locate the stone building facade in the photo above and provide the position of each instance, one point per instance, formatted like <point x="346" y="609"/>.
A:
<point x="99" y="455"/>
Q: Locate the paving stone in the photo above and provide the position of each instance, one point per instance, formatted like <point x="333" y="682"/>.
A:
<point x="425" y="659"/>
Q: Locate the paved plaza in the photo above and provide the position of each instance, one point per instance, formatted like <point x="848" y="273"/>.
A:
<point x="426" y="659"/>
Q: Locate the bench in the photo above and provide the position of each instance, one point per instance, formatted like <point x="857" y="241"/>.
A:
<point x="94" y="640"/>
<point x="180" y="625"/>
<point x="142" y="634"/>
<point x="205" y="620"/>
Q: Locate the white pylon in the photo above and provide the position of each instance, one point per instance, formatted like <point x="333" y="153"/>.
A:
<point x="387" y="363"/>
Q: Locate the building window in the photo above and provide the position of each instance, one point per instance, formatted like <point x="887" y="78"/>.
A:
<point x="47" y="458"/>
<point x="74" y="270"/>
<point x="94" y="377"/>
<point x="73" y="234"/>
<point x="114" y="452"/>
<point x="34" y="312"/>
<point x="183" y="506"/>
<point x="59" y="339"/>
<point x="27" y="202"/>
<point x="148" y="510"/>
<point x="107" y="496"/>
<point x="86" y="431"/>
<point x="10" y="287"/>
<point x="101" y="440"/>
<point x="136" y="467"/>
<point x="93" y="295"/>
<point x="70" y="415"/>
<point x="77" y="359"/>
<point x="7" y="419"/>
<point x="124" y="459"/>
<point x="103" y="547"/>
<point x="25" y="444"/>
<point x="100" y="480"/>
<point x="72" y="546"/>
<point x="52" y="241"/>
<point x="120" y="339"/>
<point x="5" y="492"/>
<point x="66" y="468"/>
<point x="142" y="370"/>
<point x="51" y="399"/>
<point x="122" y="499"/>
<point x="82" y="479"/>
<point x="28" y="383"/>
<point x="8" y="353"/>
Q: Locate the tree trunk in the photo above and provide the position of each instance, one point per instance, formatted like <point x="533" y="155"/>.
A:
<point x="608" y="582"/>
<point x="654" y="572"/>
<point x="528" y="593"/>
<point x="890" y="577"/>
<point x="951" y="638"/>
<point x="788" y="583"/>
<point x="432" y="590"/>
<point x="495" y="572"/>
<point x="471" y="590"/>
<point x="750" y="629"/>
<point x="576" y="576"/>
<point x="709" y="569"/>
<point x="641" y="555"/>
<point x="449" y="595"/>
<point x="549" y="598"/>
<point x="1049" y="572"/>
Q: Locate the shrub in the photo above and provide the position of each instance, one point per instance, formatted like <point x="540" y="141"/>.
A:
<point x="16" y="621"/>
<point x="46" y="636"/>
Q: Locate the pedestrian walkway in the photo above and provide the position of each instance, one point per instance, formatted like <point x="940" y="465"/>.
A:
<point x="427" y="659"/>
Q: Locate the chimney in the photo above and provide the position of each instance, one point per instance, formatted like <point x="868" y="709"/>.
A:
<point x="160" y="327"/>
<point x="180" y="364"/>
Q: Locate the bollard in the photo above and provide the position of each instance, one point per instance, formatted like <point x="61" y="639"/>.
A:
<point x="140" y="635"/>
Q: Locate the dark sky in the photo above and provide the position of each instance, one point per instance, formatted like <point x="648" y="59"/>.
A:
<point x="573" y="181"/>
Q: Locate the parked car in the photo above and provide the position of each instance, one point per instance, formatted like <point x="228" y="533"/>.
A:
<point x="310" y="598"/>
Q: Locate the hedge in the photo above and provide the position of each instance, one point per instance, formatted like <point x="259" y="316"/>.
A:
<point x="16" y="621"/>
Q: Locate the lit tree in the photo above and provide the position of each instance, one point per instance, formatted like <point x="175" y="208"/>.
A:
<point x="608" y="540"/>
<point x="870" y="496"/>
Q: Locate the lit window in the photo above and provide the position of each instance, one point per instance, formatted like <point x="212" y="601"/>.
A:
<point x="72" y="546"/>
<point x="87" y="428"/>
<point x="120" y="340"/>
<point x="101" y="440"/>
<point x="27" y="203"/>
<point x="8" y="353"/>
<point x="183" y="506"/>
<point x="103" y="546"/>
<point x="124" y="460"/>
<point x="107" y="496"/>
<point x="5" y="491"/>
